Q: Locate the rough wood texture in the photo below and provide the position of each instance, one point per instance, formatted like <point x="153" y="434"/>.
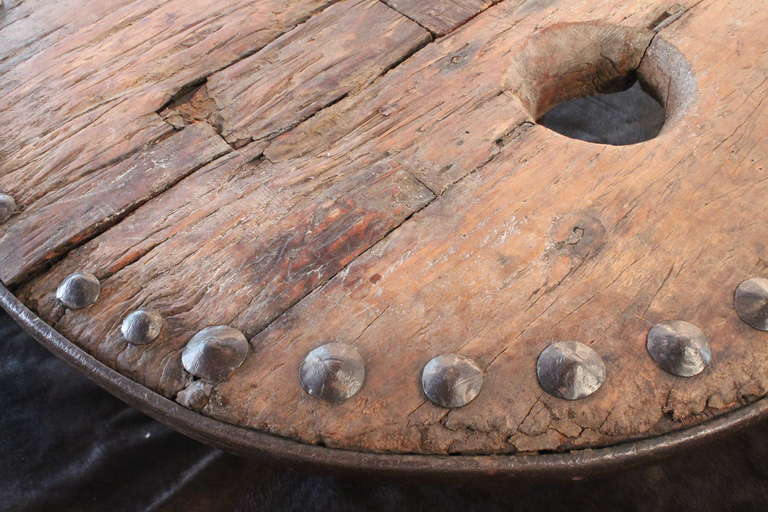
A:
<point x="89" y="100"/>
<point x="440" y="16"/>
<point x="333" y="54"/>
<point x="424" y="212"/>
<point x="74" y="211"/>
<point x="34" y="25"/>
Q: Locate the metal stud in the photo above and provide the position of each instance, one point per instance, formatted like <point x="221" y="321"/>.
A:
<point x="214" y="353"/>
<point x="333" y="372"/>
<point x="7" y="207"/>
<point x="79" y="290"/>
<point x="451" y="380"/>
<point x="751" y="302"/>
<point x="679" y="348"/>
<point x="570" y="370"/>
<point x="142" y="326"/>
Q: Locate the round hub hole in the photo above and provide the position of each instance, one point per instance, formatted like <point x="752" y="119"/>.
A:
<point x="618" y="119"/>
<point x="603" y="83"/>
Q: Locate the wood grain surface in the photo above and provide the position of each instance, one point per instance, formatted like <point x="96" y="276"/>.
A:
<point x="373" y="173"/>
<point x="440" y="16"/>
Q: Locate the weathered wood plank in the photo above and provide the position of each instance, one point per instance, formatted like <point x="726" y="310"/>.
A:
<point x="532" y="237"/>
<point x="28" y="27"/>
<point x="438" y="16"/>
<point x="417" y="112"/>
<point x="254" y="245"/>
<point x="658" y="240"/>
<point x="362" y="21"/>
<point x="338" y="51"/>
<point x="91" y="98"/>
<point x="422" y="110"/>
<point x="77" y="210"/>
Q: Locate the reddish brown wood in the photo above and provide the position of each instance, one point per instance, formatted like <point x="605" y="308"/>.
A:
<point x="30" y="26"/>
<point x="259" y="261"/>
<point x="440" y="17"/>
<point x="336" y="52"/>
<point x="410" y="211"/>
<point x="75" y="211"/>
<point x="90" y="99"/>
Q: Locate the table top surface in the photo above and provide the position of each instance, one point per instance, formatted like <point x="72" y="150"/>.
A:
<point x="372" y="173"/>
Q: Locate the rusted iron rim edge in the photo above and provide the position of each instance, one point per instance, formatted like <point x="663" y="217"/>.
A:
<point x="243" y="441"/>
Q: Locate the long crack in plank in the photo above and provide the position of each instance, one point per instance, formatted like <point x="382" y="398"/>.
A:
<point x="329" y="259"/>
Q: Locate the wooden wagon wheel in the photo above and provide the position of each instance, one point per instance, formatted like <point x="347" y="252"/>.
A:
<point x="337" y="231"/>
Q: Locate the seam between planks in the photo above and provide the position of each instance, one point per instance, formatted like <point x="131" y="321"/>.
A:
<point x="518" y="130"/>
<point x="196" y="83"/>
<point x="200" y="82"/>
<point x="401" y="13"/>
<point x="435" y="34"/>
<point x="111" y="222"/>
<point x="515" y="132"/>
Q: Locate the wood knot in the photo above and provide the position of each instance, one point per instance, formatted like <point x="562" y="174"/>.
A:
<point x="457" y="59"/>
<point x="580" y="235"/>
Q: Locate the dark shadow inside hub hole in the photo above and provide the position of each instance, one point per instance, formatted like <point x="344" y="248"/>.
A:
<point x="619" y="118"/>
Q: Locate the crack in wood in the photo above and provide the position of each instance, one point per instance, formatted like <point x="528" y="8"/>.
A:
<point x="471" y="200"/>
<point x="204" y="100"/>
<point x="58" y="253"/>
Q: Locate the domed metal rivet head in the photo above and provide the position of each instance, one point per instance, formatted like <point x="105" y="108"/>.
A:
<point x="214" y="353"/>
<point x="7" y="207"/>
<point x="79" y="290"/>
<point x="679" y="348"/>
<point x="570" y="370"/>
<point x="751" y="302"/>
<point x="142" y="326"/>
<point x="333" y="372"/>
<point x="451" y="380"/>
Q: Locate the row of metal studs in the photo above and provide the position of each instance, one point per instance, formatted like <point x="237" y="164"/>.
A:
<point x="336" y="371"/>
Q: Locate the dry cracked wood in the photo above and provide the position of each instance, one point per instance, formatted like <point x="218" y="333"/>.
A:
<point x="33" y="25"/>
<point x="440" y="16"/>
<point x="90" y="99"/>
<point x="74" y="211"/>
<point x="412" y="208"/>
<point x="333" y="54"/>
<point x="330" y="71"/>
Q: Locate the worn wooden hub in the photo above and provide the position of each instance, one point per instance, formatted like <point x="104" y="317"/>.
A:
<point x="371" y="173"/>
